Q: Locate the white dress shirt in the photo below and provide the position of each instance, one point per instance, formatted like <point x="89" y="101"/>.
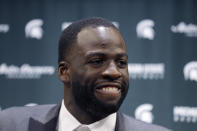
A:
<point x="67" y="122"/>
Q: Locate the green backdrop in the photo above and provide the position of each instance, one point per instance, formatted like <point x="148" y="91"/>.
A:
<point x="161" y="38"/>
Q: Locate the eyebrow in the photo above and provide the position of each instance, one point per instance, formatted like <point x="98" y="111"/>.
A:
<point x="122" y="55"/>
<point x="93" y="54"/>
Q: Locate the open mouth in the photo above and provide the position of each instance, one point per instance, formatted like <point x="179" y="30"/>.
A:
<point x="109" y="90"/>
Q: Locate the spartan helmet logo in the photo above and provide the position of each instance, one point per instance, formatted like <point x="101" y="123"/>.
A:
<point x="145" y="29"/>
<point x="33" y="29"/>
<point x="190" y="71"/>
<point x="65" y="25"/>
<point x="143" y="113"/>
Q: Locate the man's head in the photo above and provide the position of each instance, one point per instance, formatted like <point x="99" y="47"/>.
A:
<point x="69" y="35"/>
<point x="93" y="65"/>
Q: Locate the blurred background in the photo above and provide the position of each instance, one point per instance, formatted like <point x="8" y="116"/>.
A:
<point x="161" y="39"/>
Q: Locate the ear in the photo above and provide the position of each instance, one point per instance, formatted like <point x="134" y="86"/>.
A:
<point x="64" y="72"/>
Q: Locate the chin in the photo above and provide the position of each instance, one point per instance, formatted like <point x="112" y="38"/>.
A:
<point x="97" y="105"/>
<point x="110" y="104"/>
<point x="101" y="109"/>
<point x="102" y="112"/>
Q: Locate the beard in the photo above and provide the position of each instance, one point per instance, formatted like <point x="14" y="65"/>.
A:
<point x="87" y="101"/>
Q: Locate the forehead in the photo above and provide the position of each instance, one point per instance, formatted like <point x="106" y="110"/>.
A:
<point x="100" y="38"/>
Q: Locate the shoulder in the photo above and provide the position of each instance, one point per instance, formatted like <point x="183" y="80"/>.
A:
<point x="137" y="125"/>
<point x="25" y="111"/>
<point x="14" y="116"/>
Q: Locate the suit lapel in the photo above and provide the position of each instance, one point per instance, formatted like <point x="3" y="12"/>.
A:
<point x="38" y="126"/>
<point x="47" y="122"/>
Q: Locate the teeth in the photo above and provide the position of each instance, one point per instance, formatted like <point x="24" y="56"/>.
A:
<point x="109" y="89"/>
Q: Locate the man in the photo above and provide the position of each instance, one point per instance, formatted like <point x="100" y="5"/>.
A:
<point x="93" y="65"/>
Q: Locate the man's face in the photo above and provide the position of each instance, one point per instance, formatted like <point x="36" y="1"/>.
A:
<point x="99" y="70"/>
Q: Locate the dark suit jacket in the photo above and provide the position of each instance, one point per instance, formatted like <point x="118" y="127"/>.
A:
<point x="44" y="118"/>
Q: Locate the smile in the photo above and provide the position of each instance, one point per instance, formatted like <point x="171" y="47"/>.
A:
<point x="109" y="89"/>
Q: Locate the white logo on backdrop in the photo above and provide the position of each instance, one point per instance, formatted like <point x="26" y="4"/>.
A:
<point x="116" y="24"/>
<point x="66" y="24"/>
<point x="33" y="29"/>
<point x="4" y="28"/>
<point x="31" y="104"/>
<point x="189" y="30"/>
<point x="25" y="71"/>
<point x="143" y="113"/>
<point x="190" y="71"/>
<point x="185" y="114"/>
<point x="145" y="29"/>
<point x="146" y="71"/>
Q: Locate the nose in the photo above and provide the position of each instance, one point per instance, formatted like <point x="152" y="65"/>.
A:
<point x="111" y="72"/>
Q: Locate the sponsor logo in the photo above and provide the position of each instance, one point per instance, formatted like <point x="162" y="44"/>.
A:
<point x="145" y="29"/>
<point x="33" y="29"/>
<point x="189" y="30"/>
<point x="25" y="71"/>
<point x="143" y="113"/>
<point x="146" y="71"/>
<point x="190" y="71"/>
<point x="185" y="114"/>
<point x="66" y="24"/>
<point x="4" y="28"/>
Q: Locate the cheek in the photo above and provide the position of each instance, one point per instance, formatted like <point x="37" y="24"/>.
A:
<point x="125" y="78"/>
<point x="125" y="73"/>
<point x="90" y="78"/>
<point x="83" y="76"/>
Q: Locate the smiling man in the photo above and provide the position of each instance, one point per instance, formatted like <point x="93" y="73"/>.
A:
<point x="94" y="72"/>
<point x="93" y="65"/>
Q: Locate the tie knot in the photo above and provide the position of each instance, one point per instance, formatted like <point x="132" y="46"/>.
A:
<point x="82" y="128"/>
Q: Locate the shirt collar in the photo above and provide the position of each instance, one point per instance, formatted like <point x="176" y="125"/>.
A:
<point x="68" y="122"/>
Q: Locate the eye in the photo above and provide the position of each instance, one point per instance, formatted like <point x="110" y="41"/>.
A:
<point x="122" y="63"/>
<point x="96" y="61"/>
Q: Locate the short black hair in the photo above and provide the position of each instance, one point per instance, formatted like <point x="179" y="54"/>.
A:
<point x="69" y="35"/>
